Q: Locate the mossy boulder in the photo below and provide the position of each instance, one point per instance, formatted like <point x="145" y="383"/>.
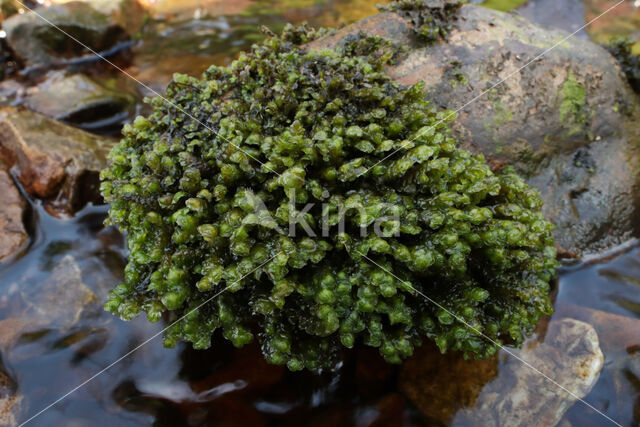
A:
<point x="288" y="133"/>
<point x="568" y="121"/>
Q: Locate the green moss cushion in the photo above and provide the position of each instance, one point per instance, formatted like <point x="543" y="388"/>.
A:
<point x="263" y="184"/>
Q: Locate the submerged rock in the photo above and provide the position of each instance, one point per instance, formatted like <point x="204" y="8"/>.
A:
<point x="13" y="235"/>
<point x="568" y="121"/>
<point x="510" y="392"/>
<point x="616" y="332"/>
<point x="81" y="101"/>
<point x="439" y="384"/>
<point x="10" y="401"/>
<point x="39" y="43"/>
<point x="13" y="328"/>
<point x="63" y="297"/>
<point x="626" y="378"/>
<point x="54" y="161"/>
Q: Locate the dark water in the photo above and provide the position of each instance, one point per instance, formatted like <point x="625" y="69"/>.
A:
<point x="223" y="385"/>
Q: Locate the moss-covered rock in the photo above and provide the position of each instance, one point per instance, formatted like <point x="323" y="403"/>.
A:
<point x="207" y="189"/>
<point x="567" y="121"/>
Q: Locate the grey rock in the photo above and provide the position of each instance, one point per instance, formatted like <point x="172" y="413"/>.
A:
<point x="567" y="121"/>
<point x="521" y="395"/>
<point x="38" y="43"/>
<point x="81" y="101"/>
<point x="513" y="388"/>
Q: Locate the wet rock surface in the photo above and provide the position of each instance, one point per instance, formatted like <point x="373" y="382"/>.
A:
<point x="54" y="161"/>
<point x="568" y="120"/>
<point x="449" y="390"/>
<point x="440" y="384"/>
<point x="616" y="332"/>
<point x="10" y="401"/>
<point x="13" y="235"/>
<point x="39" y="44"/>
<point x="63" y="298"/>
<point x="82" y="101"/>
<point x="13" y="328"/>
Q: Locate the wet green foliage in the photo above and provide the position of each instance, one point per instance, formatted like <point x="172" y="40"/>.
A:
<point x="207" y="209"/>
<point x="620" y="48"/>
<point x="431" y="19"/>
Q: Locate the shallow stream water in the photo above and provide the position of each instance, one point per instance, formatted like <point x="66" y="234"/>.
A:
<point x="223" y="385"/>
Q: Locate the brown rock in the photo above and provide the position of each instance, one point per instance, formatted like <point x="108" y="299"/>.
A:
<point x="617" y="333"/>
<point x="13" y="235"/>
<point x="10" y="401"/>
<point x="567" y="121"/>
<point x="439" y="384"/>
<point x="390" y="411"/>
<point x="13" y="328"/>
<point x="55" y="162"/>
<point x="130" y="14"/>
<point x="247" y="367"/>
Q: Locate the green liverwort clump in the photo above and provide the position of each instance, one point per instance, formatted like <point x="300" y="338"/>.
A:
<point x="431" y="19"/>
<point x="207" y="197"/>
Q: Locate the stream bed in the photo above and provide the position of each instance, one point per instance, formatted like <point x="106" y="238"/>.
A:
<point x="46" y="354"/>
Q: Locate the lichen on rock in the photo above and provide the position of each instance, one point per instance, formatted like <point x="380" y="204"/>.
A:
<point x="204" y="186"/>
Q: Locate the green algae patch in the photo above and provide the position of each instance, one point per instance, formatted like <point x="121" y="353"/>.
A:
<point x="573" y="95"/>
<point x="305" y="200"/>
<point x="503" y="5"/>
